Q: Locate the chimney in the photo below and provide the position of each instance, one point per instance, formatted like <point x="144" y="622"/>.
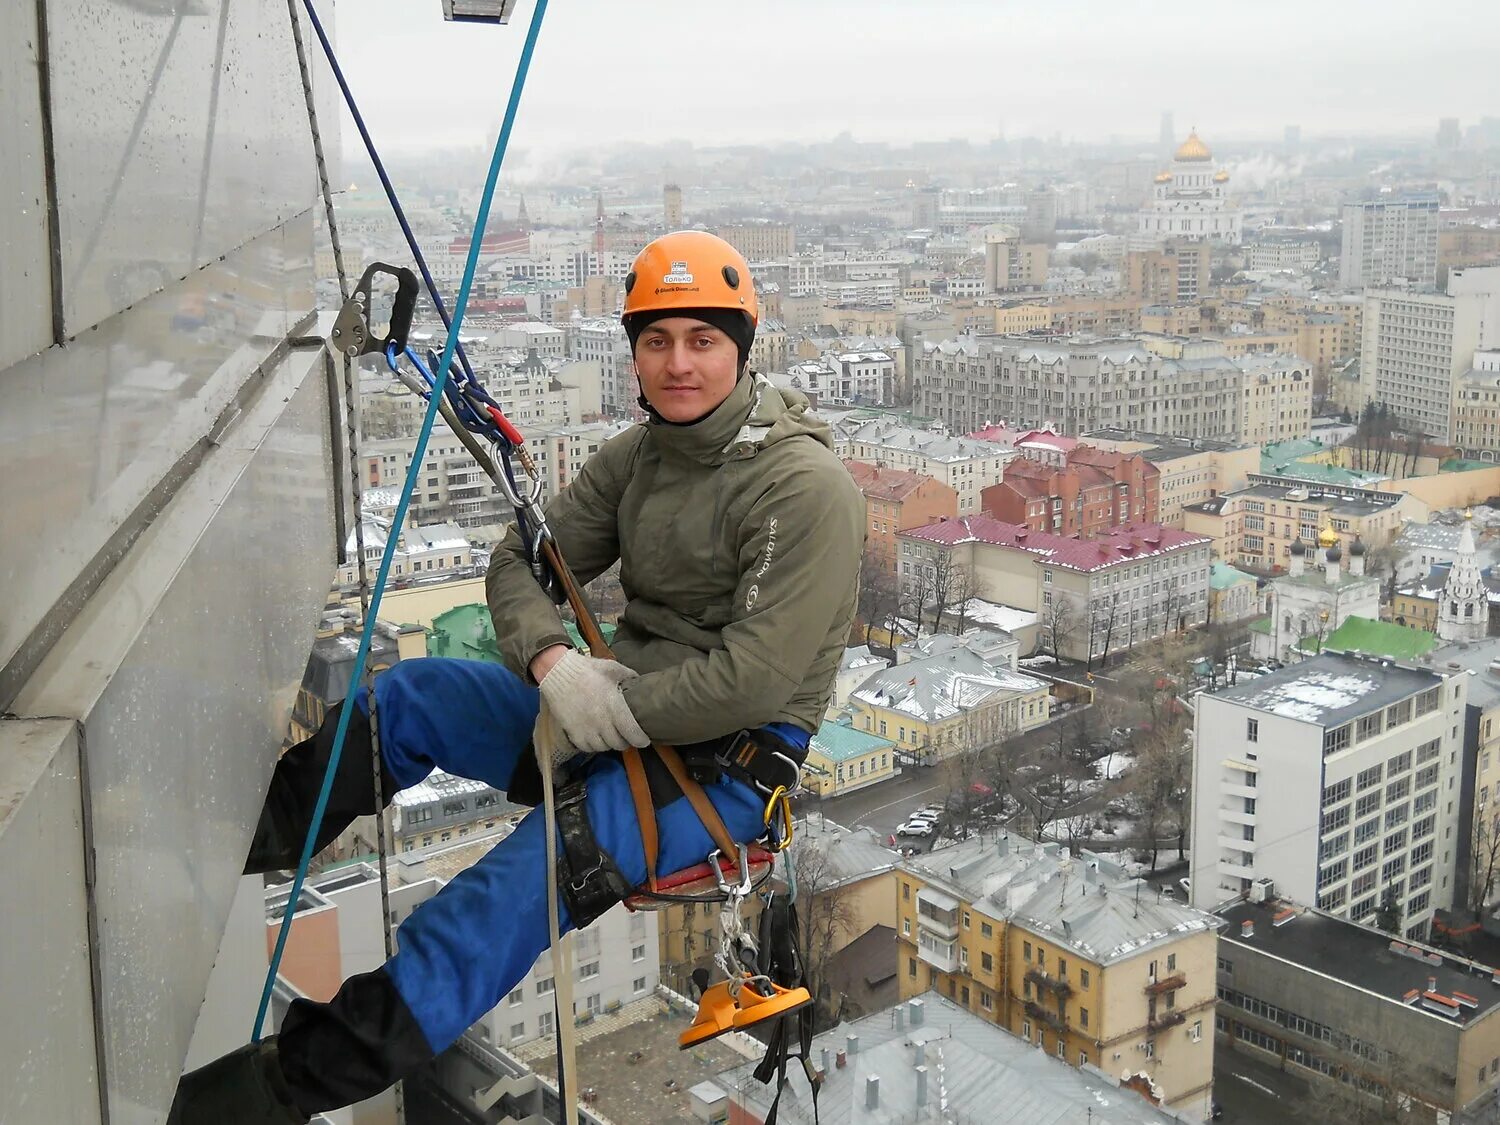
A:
<point x="852" y="1042"/>
<point x="921" y="1086"/>
<point x="900" y="1017"/>
<point x="1004" y="846"/>
<point x="917" y="1010"/>
<point x="1432" y="984"/>
<point x="840" y="1059"/>
<point x="827" y="1060"/>
<point x="872" y="1091"/>
<point x="1247" y="928"/>
<point x="920" y="1056"/>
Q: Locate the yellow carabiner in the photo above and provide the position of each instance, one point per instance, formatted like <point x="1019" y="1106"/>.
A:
<point x="778" y="798"/>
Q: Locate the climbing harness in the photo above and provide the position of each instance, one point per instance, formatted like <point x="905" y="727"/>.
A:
<point x="763" y="979"/>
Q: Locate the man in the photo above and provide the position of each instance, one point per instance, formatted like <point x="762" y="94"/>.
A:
<point x="739" y="535"/>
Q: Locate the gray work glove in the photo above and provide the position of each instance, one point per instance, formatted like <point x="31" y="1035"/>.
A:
<point x="584" y="697"/>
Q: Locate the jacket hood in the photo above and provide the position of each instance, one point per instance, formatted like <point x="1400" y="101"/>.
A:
<point x="756" y="414"/>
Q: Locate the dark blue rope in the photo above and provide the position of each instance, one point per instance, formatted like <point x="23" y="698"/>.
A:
<point x="385" y="181"/>
<point x="399" y="520"/>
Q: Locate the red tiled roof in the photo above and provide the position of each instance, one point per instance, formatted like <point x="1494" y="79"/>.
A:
<point x="882" y="483"/>
<point x="1126" y="543"/>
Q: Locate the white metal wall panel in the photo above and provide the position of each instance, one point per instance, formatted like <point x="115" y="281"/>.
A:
<point x="47" y="1053"/>
<point x="89" y="429"/>
<point x="182" y="669"/>
<point x="25" y="245"/>
<point x="180" y="133"/>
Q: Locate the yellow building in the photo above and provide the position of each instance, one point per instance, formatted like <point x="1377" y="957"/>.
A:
<point x="1067" y="953"/>
<point x="1255" y="526"/>
<point x="1172" y="320"/>
<point x="944" y="705"/>
<point x="1013" y="320"/>
<point x="841" y="759"/>
<point x="845" y="883"/>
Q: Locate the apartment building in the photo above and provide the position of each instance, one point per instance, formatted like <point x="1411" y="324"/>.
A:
<point x="965" y="466"/>
<point x="1092" y="597"/>
<point x="897" y="499"/>
<point x="1068" y="954"/>
<point x="1337" y="778"/>
<point x="1093" y="491"/>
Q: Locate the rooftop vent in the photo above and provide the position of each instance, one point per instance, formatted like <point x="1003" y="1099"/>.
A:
<point x="1247" y="928"/>
<point x="1283" y="916"/>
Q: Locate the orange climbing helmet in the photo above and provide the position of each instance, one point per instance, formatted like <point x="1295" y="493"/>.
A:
<point x="689" y="269"/>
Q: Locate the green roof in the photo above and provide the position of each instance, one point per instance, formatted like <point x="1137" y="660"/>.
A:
<point x="1460" y="465"/>
<point x="1375" y="638"/>
<point x="1316" y="473"/>
<point x="467" y="632"/>
<point x="1221" y="576"/>
<point x="1285" y="452"/>
<point x="1263" y="625"/>
<point x="839" y="742"/>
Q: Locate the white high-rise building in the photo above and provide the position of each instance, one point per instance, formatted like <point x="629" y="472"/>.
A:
<point x="1336" y="779"/>
<point x="1386" y="239"/>
<point x="1191" y="200"/>
<point x="1417" y="347"/>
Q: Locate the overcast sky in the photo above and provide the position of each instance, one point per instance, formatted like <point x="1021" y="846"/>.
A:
<point x="720" y="71"/>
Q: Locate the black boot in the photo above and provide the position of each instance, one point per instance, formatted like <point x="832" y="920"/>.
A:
<point x="282" y="830"/>
<point x="245" y="1087"/>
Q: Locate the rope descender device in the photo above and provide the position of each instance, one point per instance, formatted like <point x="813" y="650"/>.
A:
<point x="352" y="335"/>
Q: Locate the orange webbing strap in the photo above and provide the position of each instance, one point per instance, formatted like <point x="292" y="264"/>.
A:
<point x="635" y="771"/>
<point x="701" y="804"/>
<point x="645" y="812"/>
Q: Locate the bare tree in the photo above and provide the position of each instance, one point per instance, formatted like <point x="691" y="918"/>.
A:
<point x="947" y="576"/>
<point x="1393" y="1090"/>
<point x="965" y="586"/>
<point x="827" y="917"/>
<point x="1163" y="771"/>
<point x="1104" y="614"/>
<point x="1060" y="621"/>
<point x="1484" y="863"/>
<point x="879" y="595"/>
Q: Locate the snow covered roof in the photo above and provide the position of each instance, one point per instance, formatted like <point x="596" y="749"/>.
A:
<point x="942" y="687"/>
<point x="1331" y="689"/>
<point x="439" y="786"/>
<point x="1086" y="903"/>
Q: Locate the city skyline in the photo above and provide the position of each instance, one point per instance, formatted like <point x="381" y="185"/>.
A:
<point x="906" y="79"/>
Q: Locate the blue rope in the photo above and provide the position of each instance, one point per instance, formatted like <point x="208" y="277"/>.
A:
<point x="399" y="520"/>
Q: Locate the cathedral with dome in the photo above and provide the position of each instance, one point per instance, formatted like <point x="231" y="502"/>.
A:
<point x="1191" y="200"/>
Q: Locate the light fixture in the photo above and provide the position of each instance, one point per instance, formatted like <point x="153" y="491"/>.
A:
<point x="478" y="11"/>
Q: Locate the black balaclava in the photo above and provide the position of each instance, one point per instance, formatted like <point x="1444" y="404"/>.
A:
<point x="733" y="323"/>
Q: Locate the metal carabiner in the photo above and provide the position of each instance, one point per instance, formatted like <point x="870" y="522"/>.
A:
<point x="736" y="892"/>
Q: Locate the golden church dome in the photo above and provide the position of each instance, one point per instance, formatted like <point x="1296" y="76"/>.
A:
<point x="1192" y="149"/>
<point x="1221" y="177"/>
<point x="1328" y="537"/>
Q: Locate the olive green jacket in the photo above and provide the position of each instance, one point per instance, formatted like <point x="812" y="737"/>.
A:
<point x="740" y="538"/>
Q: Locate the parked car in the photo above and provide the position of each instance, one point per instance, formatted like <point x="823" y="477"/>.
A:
<point x="930" y="810"/>
<point x="916" y="828"/>
<point x="1186" y="883"/>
